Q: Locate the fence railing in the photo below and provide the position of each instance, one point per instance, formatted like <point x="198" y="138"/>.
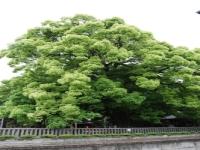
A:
<point x="39" y="132"/>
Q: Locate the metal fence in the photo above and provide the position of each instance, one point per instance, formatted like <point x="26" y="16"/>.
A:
<point x="40" y="132"/>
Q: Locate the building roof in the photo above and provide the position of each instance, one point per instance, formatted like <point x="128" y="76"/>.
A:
<point x="169" y="117"/>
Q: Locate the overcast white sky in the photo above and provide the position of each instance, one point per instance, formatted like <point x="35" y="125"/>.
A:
<point x="173" y="21"/>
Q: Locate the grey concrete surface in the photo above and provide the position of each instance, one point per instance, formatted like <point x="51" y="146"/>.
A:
<point x="191" y="142"/>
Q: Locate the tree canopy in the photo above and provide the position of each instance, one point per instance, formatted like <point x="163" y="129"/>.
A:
<point x="82" y="68"/>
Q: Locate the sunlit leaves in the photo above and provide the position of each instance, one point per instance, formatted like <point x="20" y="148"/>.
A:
<point x="145" y="83"/>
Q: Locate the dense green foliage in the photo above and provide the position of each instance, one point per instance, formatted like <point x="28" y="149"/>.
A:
<point x="82" y="68"/>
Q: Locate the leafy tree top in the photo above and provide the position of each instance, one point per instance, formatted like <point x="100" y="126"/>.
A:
<point x="82" y="68"/>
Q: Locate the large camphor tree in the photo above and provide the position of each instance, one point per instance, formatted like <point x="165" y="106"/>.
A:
<point x="81" y="68"/>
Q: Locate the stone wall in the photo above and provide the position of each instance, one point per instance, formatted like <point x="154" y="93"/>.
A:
<point x="124" y="143"/>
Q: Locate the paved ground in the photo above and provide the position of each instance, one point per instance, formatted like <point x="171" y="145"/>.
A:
<point x="42" y="143"/>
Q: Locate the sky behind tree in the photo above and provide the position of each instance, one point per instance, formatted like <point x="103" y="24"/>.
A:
<point x="173" y="21"/>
